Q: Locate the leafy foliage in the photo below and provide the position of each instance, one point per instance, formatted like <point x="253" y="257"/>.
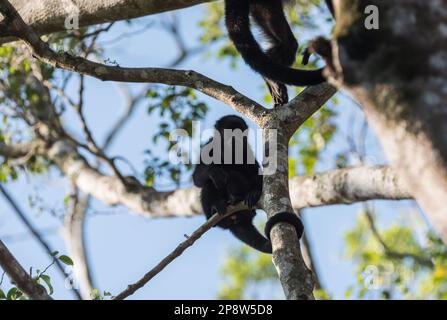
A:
<point x="244" y="271"/>
<point x="410" y="267"/>
<point x="178" y="109"/>
<point x="41" y="277"/>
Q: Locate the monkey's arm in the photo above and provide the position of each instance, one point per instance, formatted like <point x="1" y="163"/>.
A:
<point x="255" y="178"/>
<point x="330" y="6"/>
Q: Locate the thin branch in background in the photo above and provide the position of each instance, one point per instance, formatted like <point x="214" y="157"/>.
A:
<point x="45" y="245"/>
<point x="173" y="28"/>
<point x="126" y="35"/>
<point x="92" y="145"/>
<point x="309" y="252"/>
<point x="20" y="277"/>
<point x="75" y="240"/>
<point x="24" y="236"/>
<point x="131" y="102"/>
<point x="388" y="251"/>
<point x="131" y="289"/>
<point x="95" y="33"/>
<point x="358" y="148"/>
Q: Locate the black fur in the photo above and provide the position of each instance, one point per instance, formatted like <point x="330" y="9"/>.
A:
<point x="274" y="64"/>
<point x="227" y="184"/>
<point x="288" y="217"/>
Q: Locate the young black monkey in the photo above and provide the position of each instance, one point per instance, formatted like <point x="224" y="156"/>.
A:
<point x="274" y="64"/>
<point x="231" y="177"/>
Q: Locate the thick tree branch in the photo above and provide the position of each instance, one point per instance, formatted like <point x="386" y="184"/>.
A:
<point x="111" y="191"/>
<point x="20" y="150"/>
<point x="47" y="16"/>
<point x="342" y="186"/>
<point x="19" y="276"/>
<point x="296" y="279"/>
<point x="346" y="186"/>
<point x="293" y="114"/>
<point x="16" y="26"/>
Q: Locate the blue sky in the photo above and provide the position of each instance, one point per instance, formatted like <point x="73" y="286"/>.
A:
<point x="123" y="246"/>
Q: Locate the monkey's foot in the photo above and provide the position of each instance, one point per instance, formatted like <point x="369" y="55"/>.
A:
<point x="322" y="47"/>
<point x="278" y="91"/>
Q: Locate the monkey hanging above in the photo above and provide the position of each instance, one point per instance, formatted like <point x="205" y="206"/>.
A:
<point x="234" y="176"/>
<point x="274" y="64"/>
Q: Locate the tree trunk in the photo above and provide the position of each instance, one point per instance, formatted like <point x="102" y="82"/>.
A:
<point x="398" y="73"/>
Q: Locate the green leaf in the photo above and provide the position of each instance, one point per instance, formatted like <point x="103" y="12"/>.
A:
<point x="47" y="280"/>
<point x="13" y="294"/>
<point x="66" y="259"/>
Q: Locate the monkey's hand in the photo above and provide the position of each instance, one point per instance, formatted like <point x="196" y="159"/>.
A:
<point x="252" y="198"/>
<point x="219" y="178"/>
<point x="220" y="208"/>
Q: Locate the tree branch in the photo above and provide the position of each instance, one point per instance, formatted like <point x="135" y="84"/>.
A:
<point x="403" y="102"/>
<point x="19" y="276"/>
<point x="17" y="27"/>
<point x="343" y="186"/>
<point x="47" y="16"/>
<point x="45" y="245"/>
<point x="173" y="255"/>
<point x="74" y="225"/>
<point x="389" y="251"/>
<point x="346" y="186"/>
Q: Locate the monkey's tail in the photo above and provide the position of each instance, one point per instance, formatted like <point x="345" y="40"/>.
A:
<point x="245" y="231"/>
<point x="237" y="19"/>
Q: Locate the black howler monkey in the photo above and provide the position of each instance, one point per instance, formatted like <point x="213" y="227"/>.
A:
<point x="274" y="64"/>
<point x="235" y="178"/>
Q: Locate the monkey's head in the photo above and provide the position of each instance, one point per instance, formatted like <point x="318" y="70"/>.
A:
<point x="230" y="122"/>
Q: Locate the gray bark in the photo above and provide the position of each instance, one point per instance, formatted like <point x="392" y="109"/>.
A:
<point x="398" y="74"/>
<point x="47" y="16"/>
<point x="74" y="237"/>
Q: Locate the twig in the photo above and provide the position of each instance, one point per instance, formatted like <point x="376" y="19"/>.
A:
<point x="131" y="104"/>
<point x="24" y="236"/>
<point x="75" y="240"/>
<point x="131" y="289"/>
<point x="2" y="277"/>
<point x="92" y="145"/>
